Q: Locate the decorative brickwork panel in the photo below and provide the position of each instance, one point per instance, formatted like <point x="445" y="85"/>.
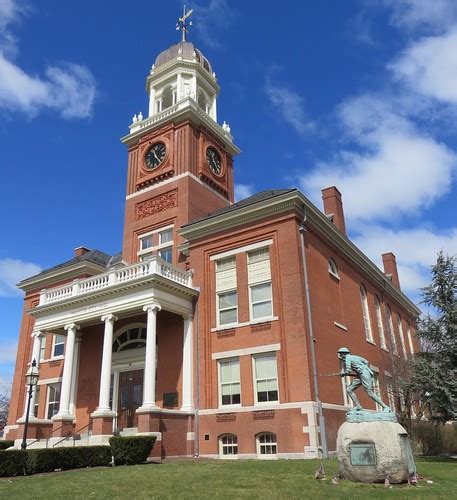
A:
<point x="225" y="417"/>
<point x="263" y="415"/>
<point x="156" y="205"/>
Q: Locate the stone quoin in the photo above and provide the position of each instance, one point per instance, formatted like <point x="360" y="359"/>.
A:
<point x="216" y="325"/>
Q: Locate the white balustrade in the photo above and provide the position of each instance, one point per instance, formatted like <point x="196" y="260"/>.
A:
<point x="114" y="277"/>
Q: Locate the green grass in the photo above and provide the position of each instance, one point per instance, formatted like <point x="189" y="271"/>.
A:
<point x="223" y="479"/>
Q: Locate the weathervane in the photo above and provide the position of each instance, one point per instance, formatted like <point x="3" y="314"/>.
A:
<point x="181" y="24"/>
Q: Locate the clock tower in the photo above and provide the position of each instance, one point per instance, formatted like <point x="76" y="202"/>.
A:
<point x="180" y="160"/>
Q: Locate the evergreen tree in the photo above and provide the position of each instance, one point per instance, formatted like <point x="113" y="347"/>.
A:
<point x="434" y="369"/>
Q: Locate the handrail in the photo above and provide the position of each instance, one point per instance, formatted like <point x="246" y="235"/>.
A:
<point x="46" y="437"/>
<point x="73" y="434"/>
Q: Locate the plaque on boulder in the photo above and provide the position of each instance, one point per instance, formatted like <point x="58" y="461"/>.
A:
<point x="363" y="453"/>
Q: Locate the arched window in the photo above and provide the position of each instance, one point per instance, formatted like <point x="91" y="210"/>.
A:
<point x="410" y="340"/>
<point x="382" y="336"/>
<point x="391" y="330"/>
<point x="167" y="97"/>
<point x="267" y="446"/>
<point x="366" y="314"/>
<point x="332" y="268"/>
<point x="400" y="332"/>
<point x="228" y="446"/>
<point x="130" y="337"/>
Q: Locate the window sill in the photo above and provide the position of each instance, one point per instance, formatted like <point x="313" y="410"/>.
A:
<point x="384" y="348"/>
<point x="371" y="342"/>
<point x="334" y="275"/>
<point x="229" y="407"/>
<point x="56" y="358"/>
<point x="247" y="323"/>
<point x="339" y="325"/>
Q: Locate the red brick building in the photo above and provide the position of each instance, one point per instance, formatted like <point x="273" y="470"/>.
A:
<point x="217" y="326"/>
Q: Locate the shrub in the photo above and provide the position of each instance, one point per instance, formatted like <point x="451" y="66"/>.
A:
<point x="13" y="463"/>
<point x="430" y="439"/>
<point x="131" y="450"/>
<point x="50" y="459"/>
<point x="6" y="443"/>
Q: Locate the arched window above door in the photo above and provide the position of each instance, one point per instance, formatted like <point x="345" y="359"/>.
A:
<point x="130" y="337"/>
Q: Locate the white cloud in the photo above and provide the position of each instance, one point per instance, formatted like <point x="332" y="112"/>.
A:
<point x="429" y="67"/>
<point x="11" y="272"/>
<point x="66" y="88"/>
<point x="290" y="105"/>
<point x="243" y="191"/>
<point x="415" y="249"/>
<point x="209" y="20"/>
<point x="394" y="170"/>
<point x="434" y="15"/>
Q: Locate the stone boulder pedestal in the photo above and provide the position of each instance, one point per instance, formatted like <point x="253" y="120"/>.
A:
<point x="368" y="452"/>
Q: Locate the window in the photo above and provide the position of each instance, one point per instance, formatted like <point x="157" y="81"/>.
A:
<point x="259" y="278"/>
<point x="37" y="401"/>
<point x="228" y="446"/>
<point x="345" y="381"/>
<point x="59" y="346"/>
<point x="377" y="389"/>
<point x="332" y="269"/>
<point x="261" y="301"/>
<point x="158" y="242"/>
<point x="402" y="338"/>
<point x="391" y="330"/>
<point x="132" y="337"/>
<point x="266" y="445"/>
<point x="366" y="314"/>
<point x="382" y="335"/>
<point x="42" y="347"/>
<point x="390" y="393"/>
<point x="229" y="382"/>
<point x="266" y="378"/>
<point x="167" y="98"/>
<point x="410" y="339"/>
<point x="53" y="400"/>
<point x="226" y="295"/>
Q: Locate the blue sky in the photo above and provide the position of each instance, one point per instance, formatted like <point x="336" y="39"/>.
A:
<point x="360" y="94"/>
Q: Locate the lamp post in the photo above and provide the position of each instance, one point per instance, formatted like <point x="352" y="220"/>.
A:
<point x="31" y="380"/>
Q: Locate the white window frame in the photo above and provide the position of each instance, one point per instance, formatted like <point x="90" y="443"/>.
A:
<point x="219" y="310"/>
<point x="48" y="398"/>
<point x="259" y="445"/>
<point x="345" y="381"/>
<point x="378" y="311"/>
<point x="220" y="362"/>
<point x="57" y="356"/>
<point x="254" y="378"/>
<point x="147" y="253"/>
<point x="42" y="354"/>
<point x="390" y="393"/>
<point x="366" y="314"/>
<point x="333" y="268"/>
<point x="410" y="339"/>
<point x="219" y="267"/>
<point x="251" y="303"/>
<point x="36" y="406"/>
<point x="390" y="325"/>
<point x="233" y="456"/>
<point x="376" y="388"/>
<point x="402" y="338"/>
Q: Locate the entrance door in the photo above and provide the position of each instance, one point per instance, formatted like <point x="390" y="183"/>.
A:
<point x="130" y="398"/>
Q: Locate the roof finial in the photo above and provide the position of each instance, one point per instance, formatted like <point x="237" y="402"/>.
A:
<point x="181" y="24"/>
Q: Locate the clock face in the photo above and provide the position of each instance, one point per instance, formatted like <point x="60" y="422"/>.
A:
<point x="155" y="155"/>
<point x="214" y="160"/>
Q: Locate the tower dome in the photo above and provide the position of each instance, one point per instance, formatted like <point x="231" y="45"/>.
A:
<point x="186" y="51"/>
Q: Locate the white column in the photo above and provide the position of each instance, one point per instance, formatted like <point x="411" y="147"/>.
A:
<point x="151" y="101"/>
<point x="36" y="336"/>
<point x="74" y="379"/>
<point x="67" y="375"/>
<point x="187" y="365"/>
<point x="103" y="408"/>
<point x="150" y="362"/>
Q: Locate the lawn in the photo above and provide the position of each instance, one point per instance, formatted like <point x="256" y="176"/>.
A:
<point x="223" y="479"/>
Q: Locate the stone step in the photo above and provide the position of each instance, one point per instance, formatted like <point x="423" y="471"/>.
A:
<point x="129" y="431"/>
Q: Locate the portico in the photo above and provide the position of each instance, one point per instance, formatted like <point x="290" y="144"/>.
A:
<point x="140" y="291"/>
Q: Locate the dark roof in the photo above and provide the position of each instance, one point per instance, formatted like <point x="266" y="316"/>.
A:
<point x="251" y="200"/>
<point x="93" y="256"/>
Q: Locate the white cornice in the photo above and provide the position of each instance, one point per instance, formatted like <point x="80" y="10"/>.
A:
<point x="315" y="219"/>
<point x="45" y="279"/>
<point x="185" y="109"/>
